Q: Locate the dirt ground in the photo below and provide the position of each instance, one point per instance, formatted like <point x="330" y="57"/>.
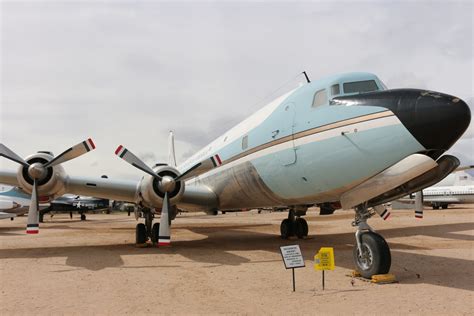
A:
<point x="231" y="264"/>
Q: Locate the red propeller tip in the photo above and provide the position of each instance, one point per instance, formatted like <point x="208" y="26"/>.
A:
<point x="119" y="148"/>
<point x="91" y="143"/>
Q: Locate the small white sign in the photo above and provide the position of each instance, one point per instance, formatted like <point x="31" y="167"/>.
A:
<point x="292" y="256"/>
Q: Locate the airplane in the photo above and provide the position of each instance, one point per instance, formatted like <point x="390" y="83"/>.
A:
<point x="14" y="202"/>
<point x="441" y="197"/>
<point x="70" y="203"/>
<point x="459" y="190"/>
<point x="344" y="139"/>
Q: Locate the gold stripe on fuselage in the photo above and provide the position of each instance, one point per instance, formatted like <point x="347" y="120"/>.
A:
<point x="309" y="132"/>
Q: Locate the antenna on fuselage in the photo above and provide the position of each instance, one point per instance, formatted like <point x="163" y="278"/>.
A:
<point x="306" y="76"/>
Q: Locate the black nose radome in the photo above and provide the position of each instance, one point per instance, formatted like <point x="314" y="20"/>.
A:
<point x="435" y="119"/>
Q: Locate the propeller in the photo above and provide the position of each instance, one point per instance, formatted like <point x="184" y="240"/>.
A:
<point x="419" y="204"/>
<point x="168" y="183"/>
<point x="164" y="235"/>
<point x="37" y="171"/>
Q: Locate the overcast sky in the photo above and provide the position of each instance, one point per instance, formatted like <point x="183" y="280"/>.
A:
<point x="128" y="73"/>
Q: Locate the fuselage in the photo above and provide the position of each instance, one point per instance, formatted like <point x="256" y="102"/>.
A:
<point x="452" y="194"/>
<point x="304" y="148"/>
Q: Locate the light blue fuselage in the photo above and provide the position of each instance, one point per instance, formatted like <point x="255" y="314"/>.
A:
<point x="344" y="146"/>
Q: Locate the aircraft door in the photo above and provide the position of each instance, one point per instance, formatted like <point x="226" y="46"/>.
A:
<point x="286" y="123"/>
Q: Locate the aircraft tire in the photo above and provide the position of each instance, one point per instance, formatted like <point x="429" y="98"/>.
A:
<point x="444" y="206"/>
<point x="83" y="217"/>
<point x="140" y="234"/>
<point x="376" y="258"/>
<point x="286" y="229"/>
<point x="306" y="228"/>
<point x="301" y="228"/>
<point x="155" y="232"/>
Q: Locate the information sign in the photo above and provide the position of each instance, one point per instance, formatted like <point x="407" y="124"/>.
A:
<point x="292" y="256"/>
<point x="324" y="259"/>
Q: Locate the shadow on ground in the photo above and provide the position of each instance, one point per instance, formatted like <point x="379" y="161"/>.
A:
<point x="410" y="263"/>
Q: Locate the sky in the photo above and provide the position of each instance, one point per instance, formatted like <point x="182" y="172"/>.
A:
<point x="128" y="72"/>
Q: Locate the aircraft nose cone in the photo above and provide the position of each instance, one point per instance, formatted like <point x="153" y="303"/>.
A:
<point x="439" y="120"/>
<point x="435" y="119"/>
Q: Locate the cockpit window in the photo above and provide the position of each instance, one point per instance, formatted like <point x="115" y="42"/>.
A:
<point x="335" y="90"/>
<point x="320" y="98"/>
<point x="360" y="86"/>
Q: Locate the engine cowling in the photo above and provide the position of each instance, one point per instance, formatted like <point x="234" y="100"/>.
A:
<point x="152" y="190"/>
<point x="52" y="184"/>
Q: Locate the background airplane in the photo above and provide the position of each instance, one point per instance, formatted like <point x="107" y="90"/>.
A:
<point x="457" y="188"/>
<point x="344" y="139"/>
<point x="14" y="202"/>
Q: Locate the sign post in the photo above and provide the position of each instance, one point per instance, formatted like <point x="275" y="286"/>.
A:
<point x="292" y="258"/>
<point x="324" y="260"/>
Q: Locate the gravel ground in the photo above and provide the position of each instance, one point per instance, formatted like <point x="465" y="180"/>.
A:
<point x="231" y="264"/>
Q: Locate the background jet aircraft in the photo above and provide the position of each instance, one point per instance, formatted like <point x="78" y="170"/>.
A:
<point x="343" y="139"/>
<point x="458" y="188"/>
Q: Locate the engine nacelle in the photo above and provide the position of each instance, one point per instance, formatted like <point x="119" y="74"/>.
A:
<point x="151" y="189"/>
<point x="51" y="185"/>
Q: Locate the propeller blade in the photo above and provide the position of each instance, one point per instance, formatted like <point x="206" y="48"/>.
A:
<point x="73" y="152"/>
<point x="188" y="173"/>
<point x="32" y="226"/>
<point x="9" y="154"/>
<point x="201" y="167"/>
<point x="171" y="153"/>
<point x="129" y="157"/>
<point x="419" y="204"/>
<point x="164" y="235"/>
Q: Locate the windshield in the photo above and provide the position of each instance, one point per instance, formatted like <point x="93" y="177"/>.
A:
<point x="360" y="86"/>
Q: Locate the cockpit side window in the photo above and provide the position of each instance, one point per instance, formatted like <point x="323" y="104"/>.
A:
<point x="335" y="90"/>
<point x="360" y="86"/>
<point x="320" y="98"/>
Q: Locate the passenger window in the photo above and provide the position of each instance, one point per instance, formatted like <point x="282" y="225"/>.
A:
<point x="320" y="98"/>
<point x="335" y="90"/>
<point x="245" y="142"/>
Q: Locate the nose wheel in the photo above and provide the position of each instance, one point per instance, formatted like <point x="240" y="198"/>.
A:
<point x="293" y="226"/>
<point x="371" y="253"/>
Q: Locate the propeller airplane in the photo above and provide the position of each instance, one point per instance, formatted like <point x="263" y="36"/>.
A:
<point x="345" y="139"/>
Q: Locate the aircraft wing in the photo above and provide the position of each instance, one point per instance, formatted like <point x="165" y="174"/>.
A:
<point x="463" y="168"/>
<point x="194" y="196"/>
<point x="8" y="177"/>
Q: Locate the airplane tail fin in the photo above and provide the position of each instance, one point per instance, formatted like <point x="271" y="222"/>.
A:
<point x="171" y="153"/>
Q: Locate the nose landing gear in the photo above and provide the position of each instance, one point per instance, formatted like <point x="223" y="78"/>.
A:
<point x="294" y="225"/>
<point x="371" y="252"/>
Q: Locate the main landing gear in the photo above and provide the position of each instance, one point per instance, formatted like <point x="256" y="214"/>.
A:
<point x="294" y="225"/>
<point x="371" y="252"/>
<point x="145" y="231"/>
<point x="149" y="230"/>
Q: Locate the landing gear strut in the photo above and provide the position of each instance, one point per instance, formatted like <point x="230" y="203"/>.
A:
<point x="147" y="231"/>
<point x="371" y="252"/>
<point x="294" y="225"/>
